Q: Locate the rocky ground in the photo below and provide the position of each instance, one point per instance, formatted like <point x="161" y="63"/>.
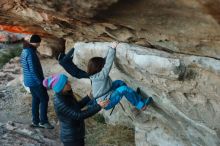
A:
<point x="15" y="115"/>
<point x="171" y="50"/>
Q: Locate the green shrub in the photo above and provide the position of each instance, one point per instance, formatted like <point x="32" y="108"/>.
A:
<point x="7" y="54"/>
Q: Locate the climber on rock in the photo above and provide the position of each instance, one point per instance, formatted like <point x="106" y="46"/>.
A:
<point x="103" y="88"/>
<point x="69" y="110"/>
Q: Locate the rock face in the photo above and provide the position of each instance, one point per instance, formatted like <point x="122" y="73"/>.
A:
<point x="76" y="8"/>
<point x="51" y="46"/>
<point x="184" y="89"/>
<point x="171" y="50"/>
<point x="190" y="27"/>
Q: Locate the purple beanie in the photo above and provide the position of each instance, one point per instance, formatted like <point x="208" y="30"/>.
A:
<point x="56" y="82"/>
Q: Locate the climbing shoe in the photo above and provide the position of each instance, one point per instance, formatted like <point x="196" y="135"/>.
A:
<point x="46" y="126"/>
<point x="33" y="125"/>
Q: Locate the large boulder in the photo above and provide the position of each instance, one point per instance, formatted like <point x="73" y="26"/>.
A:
<point x="184" y="89"/>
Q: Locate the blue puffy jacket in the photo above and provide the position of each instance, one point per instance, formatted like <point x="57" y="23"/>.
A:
<point x="71" y="116"/>
<point x="32" y="69"/>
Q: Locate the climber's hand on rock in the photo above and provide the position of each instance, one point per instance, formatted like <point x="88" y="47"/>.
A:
<point x="114" y="45"/>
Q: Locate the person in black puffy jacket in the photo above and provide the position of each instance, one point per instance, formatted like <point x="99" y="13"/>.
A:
<point x="69" y="110"/>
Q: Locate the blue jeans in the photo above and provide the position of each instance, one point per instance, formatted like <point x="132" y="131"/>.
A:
<point x="120" y="89"/>
<point x="40" y="99"/>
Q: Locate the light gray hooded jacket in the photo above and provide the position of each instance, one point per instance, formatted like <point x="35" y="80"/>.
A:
<point x="101" y="81"/>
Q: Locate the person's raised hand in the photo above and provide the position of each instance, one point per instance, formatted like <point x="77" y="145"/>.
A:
<point x="114" y="44"/>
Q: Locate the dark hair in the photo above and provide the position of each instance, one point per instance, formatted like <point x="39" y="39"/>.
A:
<point x="69" y="100"/>
<point x="95" y="65"/>
<point x="68" y="97"/>
<point x="35" y="39"/>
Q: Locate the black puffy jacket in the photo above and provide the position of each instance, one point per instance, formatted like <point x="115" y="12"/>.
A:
<point x="71" y="116"/>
